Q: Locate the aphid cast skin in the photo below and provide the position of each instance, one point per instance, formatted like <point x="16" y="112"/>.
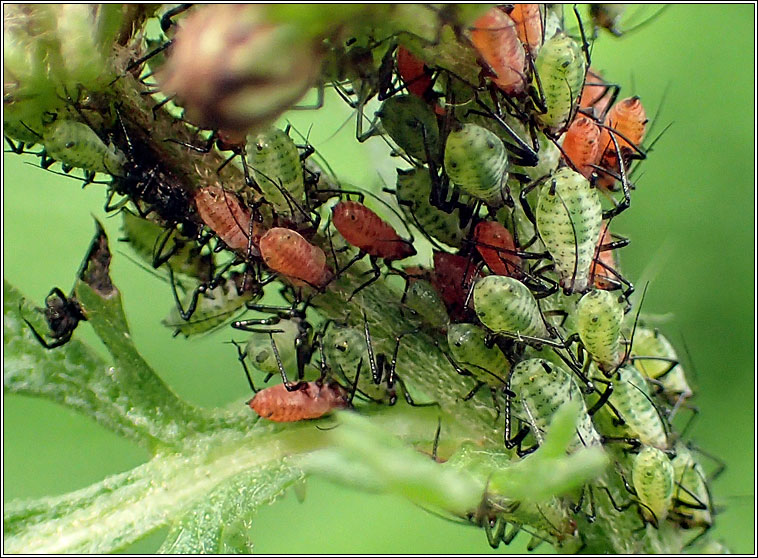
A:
<point x="77" y="145"/>
<point x="599" y="317"/>
<point x="412" y="125"/>
<point x="365" y="230"/>
<point x="653" y="479"/>
<point x="310" y="400"/>
<point x="505" y="305"/>
<point x="581" y="145"/>
<point x="495" y="244"/>
<point x="225" y="215"/>
<point x="287" y="252"/>
<point x="569" y="216"/>
<point x="496" y="39"/>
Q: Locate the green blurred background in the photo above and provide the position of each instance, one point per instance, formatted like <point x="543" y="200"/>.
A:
<point x="691" y="224"/>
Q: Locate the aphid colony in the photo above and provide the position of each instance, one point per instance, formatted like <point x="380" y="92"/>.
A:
<point x="510" y="179"/>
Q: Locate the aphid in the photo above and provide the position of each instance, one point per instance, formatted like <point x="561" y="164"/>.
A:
<point x="599" y="317"/>
<point x="309" y="400"/>
<point x="476" y="162"/>
<point x="569" y="217"/>
<point x="597" y="95"/>
<point x="452" y="278"/>
<point x="505" y="305"/>
<point x="495" y="244"/>
<point x="653" y="479"/>
<point x="529" y="26"/>
<point x="581" y="145"/>
<point x="225" y="215"/>
<point x="560" y="67"/>
<point x="414" y="187"/>
<point x="496" y="39"/>
<point x="75" y="144"/>
<point x="412" y="124"/>
<point x="691" y="504"/>
<point x="484" y="361"/>
<point x="286" y="252"/>
<point x="608" y="16"/>
<point x="627" y="122"/>
<point x="62" y="314"/>
<point x="277" y="170"/>
<point x="655" y="357"/>
<point x="540" y="389"/>
<point x="421" y="297"/>
<point x="416" y="76"/>
<point x="284" y="335"/>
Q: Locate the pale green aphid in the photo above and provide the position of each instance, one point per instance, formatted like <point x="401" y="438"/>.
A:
<point x="653" y="479"/>
<point x="505" y="305"/>
<point x="422" y="298"/>
<point x="470" y="351"/>
<point x="631" y="398"/>
<point x="75" y="144"/>
<point x="213" y="309"/>
<point x="413" y="189"/>
<point x="275" y="162"/>
<point x="599" y="317"/>
<point x="476" y="162"/>
<point x="692" y="499"/>
<point x="569" y="217"/>
<point x="651" y="343"/>
<point x="560" y="66"/>
<point x="541" y="388"/>
<point x="412" y="125"/>
<point x="260" y="353"/>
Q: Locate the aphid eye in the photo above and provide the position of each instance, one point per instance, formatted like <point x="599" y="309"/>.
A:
<point x="595" y="319"/>
<point x="490" y="145"/>
<point x="261" y="357"/>
<point x="458" y="344"/>
<point x="70" y="144"/>
<point x="453" y="164"/>
<point x="341" y="348"/>
<point x="565" y="64"/>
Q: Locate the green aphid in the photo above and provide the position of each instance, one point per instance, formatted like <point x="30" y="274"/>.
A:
<point x="476" y="162"/>
<point x="656" y="358"/>
<point x="275" y="162"/>
<point x="541" y="388"/>
<point x="260" y="352"/>
<point x="653" y="480"/>
<point x="27" y="129"/>
<point x="214" y="308"/>
<point x="470" y="351"/>
<point x="414" y="187"/>
<point x="505" y="305"/>
<point x="560" y="66"/>
<point x="631" y="398"/>
<point x="569" y="217"/>
<point x="76" y="145"/>
<point x="599" y="317"/>
<point x="156" y="245"/>
<point x="692" y="506"/>
<point x="412" y="125"/>
<point x="422" y="298"/>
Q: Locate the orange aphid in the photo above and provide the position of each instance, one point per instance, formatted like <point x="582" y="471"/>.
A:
<point x="448" y="281"/>
<point x="603" y="262"/>
<point x="415" y="75"/>
<point x="596" y="93"/>
<point x="528" y="22"/>
<point x="286" y="252"/>
<point x="581" y="144"/>
<point x="364" y="229"/>
<point x="626" y="118"/>
<point x="495" y="243"/>
<point x="226" y="216"/>
<point x="311" y="400"/>
<point x="495" y="37"/>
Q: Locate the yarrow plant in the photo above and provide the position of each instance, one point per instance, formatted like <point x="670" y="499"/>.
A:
<point x="475" y="306"/>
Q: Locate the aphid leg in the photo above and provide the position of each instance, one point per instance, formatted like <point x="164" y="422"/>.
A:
<point x="495" y="536"/>
<point x="242" y="355"/>
<point x="375" y="272"/>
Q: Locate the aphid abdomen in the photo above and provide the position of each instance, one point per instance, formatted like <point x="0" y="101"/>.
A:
<point x="599" y="317"/>
<point x="276" y="167"/>
<point x="311" y="400"/>
<point x="560" y="66"/>
<point x="667" y="370"/>
<point x="412" y="125"/>
<point x="287" y="252"/>
<point x="415" y="75"/>
<point x="496" y="246"/>
<point x="413" y="189"/>
<point x="653" y="478"/>
<point x="365" y="230"/>
<point x="469" y="349"/>
<point x="528" y="20"/>
<point x="77" y="145"/>
<point x="691" y="504"/>
<point x="628" y="118"/>
<point x="426" y="302"/>
<point x="581" y="145"/>
<point x="226" y="216"/>
<point x="496" y="39"/>
<point x="505" y="305"/>
<point x="477" y="162"/>
<point x="569" y="217"/>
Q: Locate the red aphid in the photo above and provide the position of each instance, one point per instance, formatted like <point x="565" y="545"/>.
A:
<point x="581" y="144"/>
<point x="628" y="118"/>
<point x="416" y="76"/>
<point x="495" y="244"/>
<point x="311" y="400"/>
<point x="496" y="39"/>
<point x="596" y="94"/>
<point x="528" y="20"/>
<point x="448" y="280"/>
<point x="603" y="263"/>
<point x="224" y="213"/>
<point x="286" y="252"/>
<point x="365" y="230"/>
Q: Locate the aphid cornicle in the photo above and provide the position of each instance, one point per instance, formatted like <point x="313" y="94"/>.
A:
<point x="655" y="357"/>
<point x="496" y="39"/>
<point x="560" y="66"/>
<point x="476" y="162"/>
<point x="309" y="400"/>
<point x="495" y="244"/>
<point x="599" y="315"/>
<point x="653" y="479"/>
<point x="412" y="125"/>
<point x="506" y="305"/>
<point x="287" y="252"/>
<point x="75" y="144"/>
<point x="569" y="216"/>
